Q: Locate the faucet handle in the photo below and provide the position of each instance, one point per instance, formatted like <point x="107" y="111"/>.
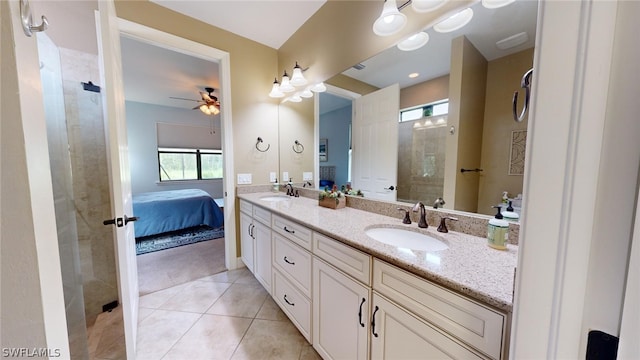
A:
<point x="443" y="224"/>
<point x="407" y="219"/>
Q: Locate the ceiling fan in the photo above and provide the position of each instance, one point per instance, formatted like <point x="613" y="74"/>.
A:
<point x="209" y="103"/>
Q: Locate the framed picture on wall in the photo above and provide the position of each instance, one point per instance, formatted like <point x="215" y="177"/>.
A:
<point x="323" y="150"/>
<point x="516" y="157"/>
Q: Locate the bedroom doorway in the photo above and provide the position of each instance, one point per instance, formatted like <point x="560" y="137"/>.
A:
<point x="155" y="108"/>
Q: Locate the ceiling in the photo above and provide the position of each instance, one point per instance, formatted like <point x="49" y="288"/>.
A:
<point x="154" y="74"/>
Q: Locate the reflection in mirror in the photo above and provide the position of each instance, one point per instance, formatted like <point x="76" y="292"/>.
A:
<point x="472" y="70"/>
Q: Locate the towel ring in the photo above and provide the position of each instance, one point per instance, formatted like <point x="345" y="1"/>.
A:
<point x="525" y="83"/>
<point x="27" y="20"/>
<point x="297" y="145"/>
<point x="258" y="143"/>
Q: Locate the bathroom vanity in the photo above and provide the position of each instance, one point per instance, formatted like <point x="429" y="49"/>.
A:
<point x="354" y="297"/>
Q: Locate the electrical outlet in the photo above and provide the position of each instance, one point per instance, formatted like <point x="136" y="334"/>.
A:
<point x="285" y="176"/>
<point x="244" y="179"/>
<point x="272" y="177"/>
<point x="307" y="176"/>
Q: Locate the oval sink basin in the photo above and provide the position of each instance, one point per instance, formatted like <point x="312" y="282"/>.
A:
<point x="274" y="198"/>
<point x="406" y="239"/>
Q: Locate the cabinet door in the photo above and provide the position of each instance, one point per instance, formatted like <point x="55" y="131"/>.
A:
<point x="262" y="264"/>
<point x="397" y="334"/>
<point x="246" y="240"/>
<point x="340" y="314"/>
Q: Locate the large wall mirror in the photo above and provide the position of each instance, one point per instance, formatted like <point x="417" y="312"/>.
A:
<point x="454" y="113"/>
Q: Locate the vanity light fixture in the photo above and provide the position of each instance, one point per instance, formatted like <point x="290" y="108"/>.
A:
<point x="306" y="93"/>
<point x="275" y="90"/>
<point x="423" y="6"/>
<point x="297" y="79"/>
<point x="319" y="87"/>
<point x="285" y="85"/>
<point x="391" y="20"/>
<point x="494" y="4"/>
<point x="295" y="98"/>
<point x="454" y="22"/>
<point x="414" y="42"/>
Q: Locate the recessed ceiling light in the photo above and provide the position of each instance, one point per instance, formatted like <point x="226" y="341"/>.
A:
<point x="414" y="75"/>
<point x="414" y="41"/>
<point x="494" y="4"/>
<point x="454" y="22"/>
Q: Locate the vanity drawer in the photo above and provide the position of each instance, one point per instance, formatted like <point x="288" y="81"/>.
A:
<point x="294" y="262"/>
<point x="292" y="231"/>
<point x="344" y="257"/>
<point x="262" y="215"/>
<point x="246" y="207"/>
<point x="467" y="320"/>
<point x="293" y="303"/>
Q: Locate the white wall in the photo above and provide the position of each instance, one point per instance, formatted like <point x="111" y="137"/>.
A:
<point x="142" y="120"/>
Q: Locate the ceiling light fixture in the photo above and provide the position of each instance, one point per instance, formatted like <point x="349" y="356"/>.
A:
<point x="390" y="21"/>
<point x="494" y="4"/>
<point x="454" y="22"/>
<point x="414" y="42"/>
<point x="414" y="75"/>
<point x="423" y="6"/>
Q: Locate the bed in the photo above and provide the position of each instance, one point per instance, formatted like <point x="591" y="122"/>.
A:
<point x="164" y="211"/>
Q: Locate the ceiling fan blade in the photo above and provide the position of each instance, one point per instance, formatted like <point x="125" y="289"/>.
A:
<point x="196" y="108"/>
<point x="205" y="97"/>
<point x="179" y="98"/>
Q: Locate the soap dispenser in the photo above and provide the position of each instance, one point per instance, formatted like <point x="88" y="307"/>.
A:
<point x="276" y="186"/>
<point x="511" y="215"/>
<point x="498" y="231"/>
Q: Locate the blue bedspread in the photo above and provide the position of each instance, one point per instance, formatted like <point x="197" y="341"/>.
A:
<point x="164" y="211"/>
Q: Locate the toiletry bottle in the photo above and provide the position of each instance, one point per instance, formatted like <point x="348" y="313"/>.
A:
<point x="276" y="186"/>
<point x="511" y="215"/>
<point x="498" y="231"/>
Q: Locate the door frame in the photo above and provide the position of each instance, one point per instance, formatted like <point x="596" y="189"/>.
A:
<point x="172" y="42"/>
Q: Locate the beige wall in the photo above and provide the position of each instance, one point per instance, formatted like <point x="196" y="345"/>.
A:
<point x="503" y="78"/>
<point x="467" y="84"/>
<point x="351" y="84"/>
<point x="425" y="92"/>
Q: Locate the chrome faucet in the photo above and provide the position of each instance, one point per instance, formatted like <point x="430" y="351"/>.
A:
<point x="438" y="203"/>
<point x="423" y="219"/>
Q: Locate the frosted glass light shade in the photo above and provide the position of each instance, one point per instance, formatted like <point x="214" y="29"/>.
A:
<point x="306" y="93"/>
<point x="295" y="98"/>
<point x="414" y="41"/>
<point x="319" y="87"/>
<point x="423" y="6"/>
<point x="286" y="86"/>
<point x="391" y="20"/>
<point x="494" y="4"/>
<point x="454" y="22"/>
<point x="205" y="109"/>
<point x="297" y="79"/>
<point x="275" y="90"/>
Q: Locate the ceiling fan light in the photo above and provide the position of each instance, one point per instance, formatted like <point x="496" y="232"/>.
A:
<point x="297" y="79"/>
<point x="319" y="87"/>
<point x="286" y="86"/>
<point x="454" y="22"/>
<point x="494" y="4"/>
<point x="214" y="110"/>
<point x="414" y="42"/>
<point x="391" y="20"/>
<point x="423" y="6"/>
<point x="205" y="109"/>
<point x="275" y="90"/>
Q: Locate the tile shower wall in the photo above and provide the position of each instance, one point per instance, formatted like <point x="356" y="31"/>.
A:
<point x="85" y="125"/>
<point x="421" y="157"/>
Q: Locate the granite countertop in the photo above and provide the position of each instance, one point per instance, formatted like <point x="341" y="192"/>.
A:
<point x="468" y="266"/>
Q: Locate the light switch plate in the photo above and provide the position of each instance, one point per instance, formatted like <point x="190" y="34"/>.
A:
<point x="285" y="177"/>
<point x="307" y="176"/>
<point x="244" y="179"/>
<point x="272" y="176"/>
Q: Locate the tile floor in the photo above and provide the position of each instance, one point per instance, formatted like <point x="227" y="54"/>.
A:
<point x="224" y="316"/>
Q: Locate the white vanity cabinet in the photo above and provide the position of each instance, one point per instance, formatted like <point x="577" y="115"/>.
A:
<point x="255" y="242"/>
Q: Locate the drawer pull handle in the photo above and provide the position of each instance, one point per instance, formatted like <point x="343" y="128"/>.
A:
<point x="290" y="303"/>
<point x="288" y="262"/>
<point x="373" y="321"/>
<point x="360" y="313"/>
<point x="289" y="231"/>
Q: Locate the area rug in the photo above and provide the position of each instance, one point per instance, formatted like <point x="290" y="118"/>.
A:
<point x="148" y="244"/>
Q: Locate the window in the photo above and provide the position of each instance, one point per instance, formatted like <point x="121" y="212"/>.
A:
<point x="433" y="109"/>
<point x="189" y="164"/>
